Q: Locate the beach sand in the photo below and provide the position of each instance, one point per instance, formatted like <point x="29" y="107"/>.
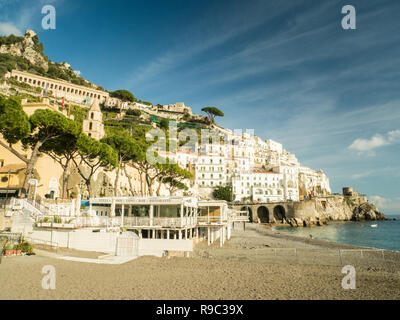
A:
<point x="242" y="269"/>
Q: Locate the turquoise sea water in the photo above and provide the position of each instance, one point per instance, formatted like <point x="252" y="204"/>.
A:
<point x="385" y="236"/>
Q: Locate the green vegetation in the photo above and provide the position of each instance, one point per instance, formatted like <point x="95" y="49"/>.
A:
<point x="147" y="103"/>
<point x="124" y="95"/>
<point x="78" y="113"/>
<point x="125" y="147"/>
<point x="134" y="112"/>
<point x="4" y="40"/>
<point x="212" y="112"/>
<point x="223" y="193"/>
<point x="9" y="62"/>
<point x="164" y="124"/>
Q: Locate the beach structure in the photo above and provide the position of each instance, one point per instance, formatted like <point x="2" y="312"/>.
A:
<point x="141" y="225"/>
<point x="150" y="217"/>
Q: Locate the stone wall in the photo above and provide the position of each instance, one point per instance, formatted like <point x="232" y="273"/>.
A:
<point x="317" y="211"/>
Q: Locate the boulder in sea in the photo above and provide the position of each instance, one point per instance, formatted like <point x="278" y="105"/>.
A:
<point x="367" y="211"/>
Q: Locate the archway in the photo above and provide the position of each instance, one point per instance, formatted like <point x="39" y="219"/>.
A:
<point x="248" y="209"/>
<point x="279" y="213"/>
<point x="263" y="214"/>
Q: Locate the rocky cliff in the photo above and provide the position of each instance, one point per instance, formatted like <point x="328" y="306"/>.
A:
<point x="319" y="211"/>
<point x="28" y="48"/>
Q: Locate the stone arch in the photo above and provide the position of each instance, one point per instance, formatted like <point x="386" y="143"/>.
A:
<point x="263" y="214"/>
<point x="279" y="213"/>
<point x="245" y="208"/>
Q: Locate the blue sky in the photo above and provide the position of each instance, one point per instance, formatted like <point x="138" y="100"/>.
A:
<point x="283" y="68"/>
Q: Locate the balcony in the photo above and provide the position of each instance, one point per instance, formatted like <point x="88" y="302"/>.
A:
<point x="162" y="222"/>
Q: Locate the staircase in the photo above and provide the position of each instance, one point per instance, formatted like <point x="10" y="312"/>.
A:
<point x="34" y="208"/>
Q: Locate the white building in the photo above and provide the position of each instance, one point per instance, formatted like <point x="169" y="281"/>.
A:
<point x="257" y="170"/>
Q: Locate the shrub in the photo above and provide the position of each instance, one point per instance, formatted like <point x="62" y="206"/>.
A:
<point x="133" y="112"/>
<point x="26" y="247"/>
<point x="223" y="193"/>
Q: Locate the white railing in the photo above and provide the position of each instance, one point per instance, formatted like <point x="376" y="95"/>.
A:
<point x="96" y="221"/>
<point x="41" y="242"/>
<point x="35" y="207"/>
<point x="209" y="219"/>
<point x="165" y="222"/>
<point x="239" y="216"/>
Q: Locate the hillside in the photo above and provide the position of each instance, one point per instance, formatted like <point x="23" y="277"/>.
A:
<point x="27" y="54"/>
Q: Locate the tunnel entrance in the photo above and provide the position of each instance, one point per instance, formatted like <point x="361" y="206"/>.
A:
<point x="248" y="209"/>
<point x="279" y="213"/>
<point x="263" y="214"/>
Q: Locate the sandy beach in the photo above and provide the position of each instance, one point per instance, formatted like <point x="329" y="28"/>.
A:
<point x="247" y="267"/>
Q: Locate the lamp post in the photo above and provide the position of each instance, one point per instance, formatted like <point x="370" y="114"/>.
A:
<point x="8" y="188"/>
<point x="34" y="182"/>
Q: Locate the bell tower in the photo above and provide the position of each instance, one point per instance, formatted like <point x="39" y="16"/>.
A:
<point x="93" y="125"/>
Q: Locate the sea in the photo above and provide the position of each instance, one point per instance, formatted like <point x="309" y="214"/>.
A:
<point x="385" y="236"/>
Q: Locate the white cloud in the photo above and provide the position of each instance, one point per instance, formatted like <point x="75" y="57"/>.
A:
<point x="379" y="201"/>
<point x="394" y="136"/>
<point x="377" y="141"/>
<point x="385" y="203"/>
<point x="7" y="28"/>
<point x="362" y="174"/>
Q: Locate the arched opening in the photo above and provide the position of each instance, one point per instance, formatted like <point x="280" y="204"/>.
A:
<point x="248" y="209"/>
<point x="279" y="213"/>
<point x="263" y="214"/>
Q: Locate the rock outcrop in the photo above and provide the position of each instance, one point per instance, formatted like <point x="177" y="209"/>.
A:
<point x="28" y="49"/>
<point x="367" y="211"/>
<point x="319" y="211"/>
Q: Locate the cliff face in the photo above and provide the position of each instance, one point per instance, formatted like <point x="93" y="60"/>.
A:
<point x="333" y="208"/>
<point x="27" y="49"/>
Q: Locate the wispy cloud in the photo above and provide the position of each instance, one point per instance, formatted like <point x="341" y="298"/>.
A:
<point x="368" y="146"/>
<point x="256" y="15"/>
<point x="18" y="15"/>
<point x="8" y="28"/>
<point x="385" y="203"/>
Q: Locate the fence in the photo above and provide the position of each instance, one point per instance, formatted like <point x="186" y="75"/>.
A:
<point x="97" y="221"/>
<point x="161" y="222"/>
<point x="388" y="260"/>
<point x="11" y="237"/>
<point x="42" y="244"/>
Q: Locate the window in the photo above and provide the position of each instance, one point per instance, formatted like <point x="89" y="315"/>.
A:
<point x="92" y="115"/>
<point x="90" y="126"/>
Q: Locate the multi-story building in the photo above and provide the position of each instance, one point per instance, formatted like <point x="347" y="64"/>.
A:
<point x="60" y="88"/>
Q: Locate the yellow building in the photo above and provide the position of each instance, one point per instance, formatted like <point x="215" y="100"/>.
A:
<point x="47" y="171"/>
<point x="11" y="178"/>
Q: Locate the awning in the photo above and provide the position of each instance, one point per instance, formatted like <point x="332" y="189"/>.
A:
<point x="8" y="191"/>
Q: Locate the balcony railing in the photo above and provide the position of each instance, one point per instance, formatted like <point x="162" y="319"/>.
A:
<point x="82" y="222"/>
<point x="164" y="222"/>
<point x="210" y="219"/>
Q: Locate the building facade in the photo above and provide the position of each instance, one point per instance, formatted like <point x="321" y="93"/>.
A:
<point x="60" y="88"/>
<point x="93" y="124"/>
